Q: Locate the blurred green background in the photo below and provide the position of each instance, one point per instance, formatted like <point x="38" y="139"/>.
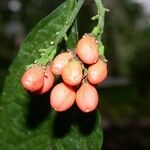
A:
<point x="125" y="95"/>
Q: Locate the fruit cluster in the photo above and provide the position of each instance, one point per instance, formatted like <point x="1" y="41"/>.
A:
<point x="80" y="70"/>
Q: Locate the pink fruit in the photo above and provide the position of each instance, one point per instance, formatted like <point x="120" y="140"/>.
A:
<point x="33" y="79"/>
<point x="72" y="73"/>
<point x="87" y="49"/>
<point x="97" y="72"/>
<point x="60" y="61"/>
<point x="87" y="97"/>
<point x="62" y="97"/>
<point x="48" y="81"/>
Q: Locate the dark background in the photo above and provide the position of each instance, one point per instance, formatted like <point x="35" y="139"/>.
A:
<point x="125" y="95"/>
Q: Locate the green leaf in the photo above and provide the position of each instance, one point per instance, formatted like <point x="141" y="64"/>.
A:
<point x="27" y="121"/>
<point x="73" y="36"/>
<point x="76" y="130"/>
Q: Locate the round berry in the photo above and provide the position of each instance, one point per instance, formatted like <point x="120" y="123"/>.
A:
<point x="87" y="49"/>
<point x="62" y="97"/>
<point x="72" y="73"/>
<point x="97" y="72"/>
<point x="48" y="81"/>
<point x="60" y="61"/>
<point x="87" y="98"/>
<point x="33" y="79"/>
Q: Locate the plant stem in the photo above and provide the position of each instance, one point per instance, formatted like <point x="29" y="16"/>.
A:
<point x="51" y="51"/>
<point x="98" y="30"/>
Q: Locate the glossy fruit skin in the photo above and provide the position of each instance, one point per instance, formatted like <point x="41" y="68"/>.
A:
<point x="48" y="81"/>
<point x="62" y="97"/>
<point x="87" y="49"/>
<point x="72" y="73"/>
<point x="97" y="72"/>
<point x="60" y="61"/>
<point x="87" y="98"/>
<point x="33" y="79"/>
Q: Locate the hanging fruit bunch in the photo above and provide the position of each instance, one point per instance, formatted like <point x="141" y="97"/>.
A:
<point x="81" y="70"/>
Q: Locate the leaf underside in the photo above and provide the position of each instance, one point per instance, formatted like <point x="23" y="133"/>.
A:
<point x="27" y="121"/>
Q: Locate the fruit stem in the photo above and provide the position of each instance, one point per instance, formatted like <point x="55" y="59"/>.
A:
<point x="98" y="30"/>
